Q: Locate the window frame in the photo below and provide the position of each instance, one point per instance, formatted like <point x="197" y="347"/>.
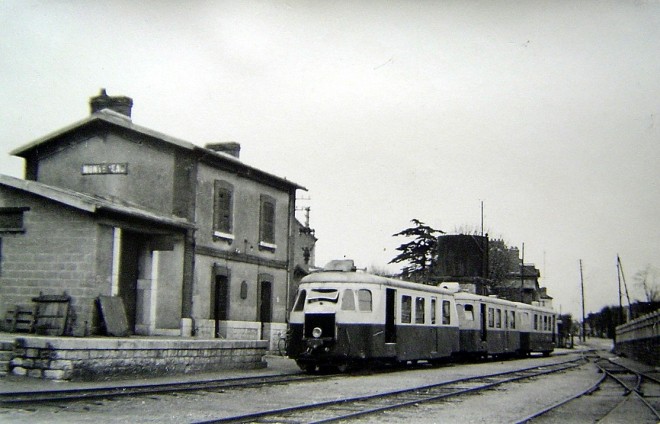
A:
<point x="420" y="310"/>
<point x="406" y="309"/>
<point x="267" y="222"/>
<point x="223" y="212"/>
<point x="12" y="219"/>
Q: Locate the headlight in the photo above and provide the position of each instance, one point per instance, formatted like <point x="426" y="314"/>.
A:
<point x="316" y="332"/>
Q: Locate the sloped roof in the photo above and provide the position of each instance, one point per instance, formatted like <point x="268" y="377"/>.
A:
<point x="116" y="119"/>
<point x="91" y="204"/>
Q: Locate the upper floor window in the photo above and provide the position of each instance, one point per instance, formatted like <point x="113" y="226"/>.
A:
<point x="267" y="223"/>
<point x="11" y="219"/>
<point x="223" y="207"/>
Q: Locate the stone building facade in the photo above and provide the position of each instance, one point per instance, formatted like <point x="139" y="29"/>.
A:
<point x="192" y="240"/>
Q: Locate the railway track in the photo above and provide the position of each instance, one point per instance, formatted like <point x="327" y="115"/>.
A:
<point x="72" y="395"/>
<point x="621" y="394"/>
<point x="348" y="408"/>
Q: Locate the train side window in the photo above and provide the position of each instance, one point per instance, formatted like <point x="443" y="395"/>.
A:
<point x="545" y="323"/>
<point x="469" y="312"/>
<point x="513" y="320"/>
<point x="364" y="300"/>
<point x="348" y="300"/>
<point x="498" y="318"/>
<point x="419" y="310"/>
<point x="300" y="302"/>
<point x="406" y="309"/>
<point x="434" y="303"/>
<point x="446" y="312"/>
<point x="536" y="322"/>
<point x="491" y="317"/>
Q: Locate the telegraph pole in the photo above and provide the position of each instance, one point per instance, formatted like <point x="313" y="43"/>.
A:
<point x="522" y="275"/>
<point x="584" y="336"/>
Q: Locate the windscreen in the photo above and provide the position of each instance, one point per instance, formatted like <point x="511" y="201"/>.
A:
<point x="323" y="295"/>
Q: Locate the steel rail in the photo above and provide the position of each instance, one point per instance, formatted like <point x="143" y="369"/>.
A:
<point x="563" y="402"/>
<point x="411" y="396"/>
<point x="605" y="374"/>
<point x="69" y="395"/>
<point x="635" y="390"/>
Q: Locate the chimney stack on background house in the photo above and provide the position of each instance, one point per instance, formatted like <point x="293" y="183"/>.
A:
<point x="230" y="147"/>
<point x="119" y="104"/>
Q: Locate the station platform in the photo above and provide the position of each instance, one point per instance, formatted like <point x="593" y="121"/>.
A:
<point x="274" y="365"/>
<point x="102" y="358"/>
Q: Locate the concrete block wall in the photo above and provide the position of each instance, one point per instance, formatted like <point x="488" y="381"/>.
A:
<point x="56" y="254"/>
<point x="98" y="359"/>
<point x="240" y="330"/>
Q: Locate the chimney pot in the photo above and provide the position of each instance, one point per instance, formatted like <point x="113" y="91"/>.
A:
<point x="119" y="104"/>
<point x="230" y="147"/>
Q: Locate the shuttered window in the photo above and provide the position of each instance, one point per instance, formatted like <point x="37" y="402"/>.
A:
<point x="223" y="208"/>
<point x="267" y="227"/>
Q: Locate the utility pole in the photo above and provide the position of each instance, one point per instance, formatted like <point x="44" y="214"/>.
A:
<point x="618" y="275"/>
<point x="522" y="275"/>
<point x="584" y="336"/>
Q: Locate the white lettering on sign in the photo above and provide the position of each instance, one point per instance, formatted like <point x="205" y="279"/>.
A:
<point x="105" y="168"/>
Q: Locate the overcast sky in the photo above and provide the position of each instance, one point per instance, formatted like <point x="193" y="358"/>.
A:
<point x="546" y="111"/>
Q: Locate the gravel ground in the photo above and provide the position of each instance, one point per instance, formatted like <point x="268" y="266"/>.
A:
<point x="499" y="405"/>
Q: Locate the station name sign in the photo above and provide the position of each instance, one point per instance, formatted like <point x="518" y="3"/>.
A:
<point x="104" y="168"/>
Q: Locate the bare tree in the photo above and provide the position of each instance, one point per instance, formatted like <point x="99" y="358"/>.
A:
<point x="647" y="279"/>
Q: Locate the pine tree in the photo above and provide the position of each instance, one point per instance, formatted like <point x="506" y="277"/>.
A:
<point x="418" y="253"/>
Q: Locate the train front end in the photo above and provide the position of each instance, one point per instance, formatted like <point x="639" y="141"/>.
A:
<point x="327" y="321"/>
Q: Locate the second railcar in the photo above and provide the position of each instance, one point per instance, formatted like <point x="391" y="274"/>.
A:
<point x="488" y="326"/>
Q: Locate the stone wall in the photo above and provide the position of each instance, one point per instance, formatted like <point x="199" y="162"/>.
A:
<point x="639" y="339"/>
<point x="99" y="358"/>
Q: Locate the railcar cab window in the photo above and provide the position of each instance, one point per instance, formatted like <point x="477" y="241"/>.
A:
<point x="419" y="310"/>
<point x="434" y="304"/>
<point x="300" y="301"/>
<point x="406" y="309"/>
<point x="468" y="312"/>
<point x="513" y="320"/>
<point x="446" y="312"/>
<point x="498" y="318"/>
<point x="348" y="300"/>
<point x="323" y="295"/>
<point x="364" y="300"/>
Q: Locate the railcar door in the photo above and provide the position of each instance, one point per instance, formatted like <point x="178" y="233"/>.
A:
<point x="484" y="327"/>
<point x="390" y="308"/>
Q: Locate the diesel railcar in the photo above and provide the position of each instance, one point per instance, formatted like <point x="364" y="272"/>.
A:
<point x="342" y="318"/>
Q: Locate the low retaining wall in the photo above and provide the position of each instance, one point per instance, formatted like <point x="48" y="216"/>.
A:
<point x="99" y="359"/>
<point x="640" y="339"/>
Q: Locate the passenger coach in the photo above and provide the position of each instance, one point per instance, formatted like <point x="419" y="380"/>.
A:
<point x="342" y="317"/>
<point x="498" y="327"/>
<point x="488" y="326"/>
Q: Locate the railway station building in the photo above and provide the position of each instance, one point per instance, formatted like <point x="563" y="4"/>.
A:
<point x="191" y="239"/>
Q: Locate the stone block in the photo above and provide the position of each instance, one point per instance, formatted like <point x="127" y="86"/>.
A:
<point x="19" y="371"/>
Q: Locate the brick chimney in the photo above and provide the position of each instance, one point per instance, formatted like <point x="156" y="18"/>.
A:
<point x="120" y="104"/>
<point x="230" y="147"/>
